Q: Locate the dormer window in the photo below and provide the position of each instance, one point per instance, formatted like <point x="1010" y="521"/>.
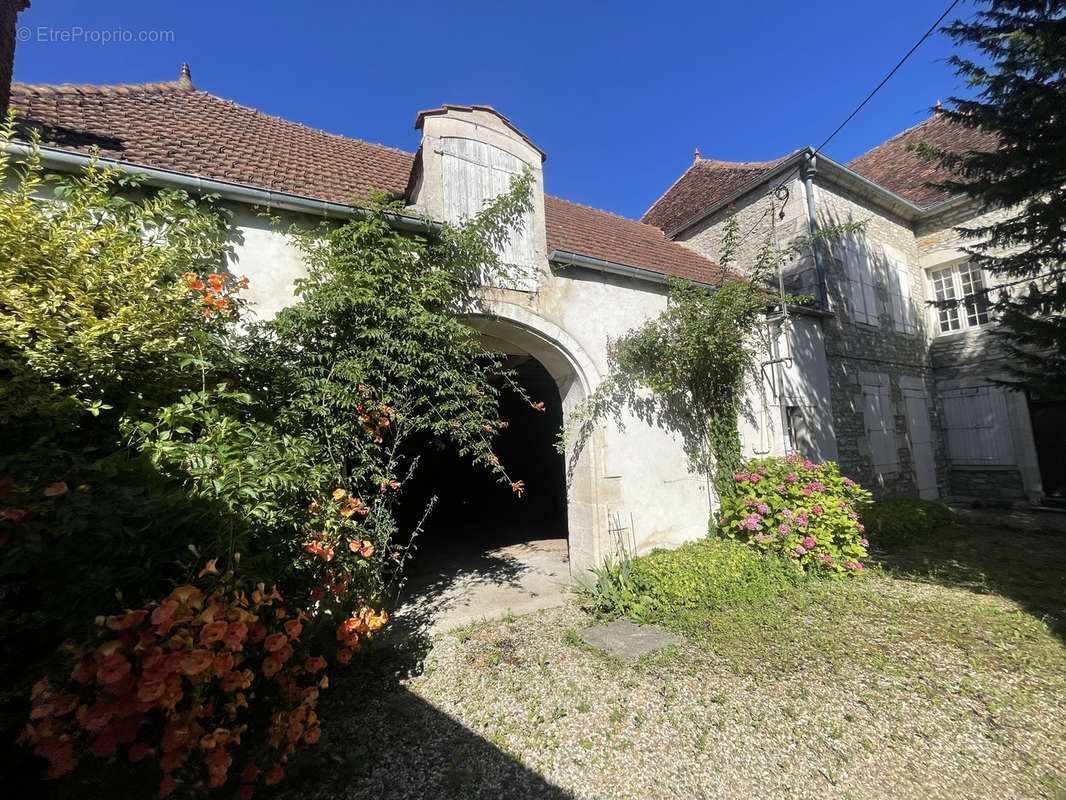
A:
<point x="961" y="288"/>
<point x="474" y="173"/>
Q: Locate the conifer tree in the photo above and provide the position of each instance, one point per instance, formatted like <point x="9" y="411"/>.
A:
<point x="1018" y="72"/>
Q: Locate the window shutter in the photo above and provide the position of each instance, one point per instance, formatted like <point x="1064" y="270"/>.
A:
<point x="475" y="173"/>
<point x="975" y="425"/>
<point x="863" y="297"/>
<point x="878" y="421"/>
<point x="903" y="315"/>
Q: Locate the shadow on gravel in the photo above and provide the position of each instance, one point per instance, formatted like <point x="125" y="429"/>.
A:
<point x="1027" y="566"/>
<point x="383" y="742"/>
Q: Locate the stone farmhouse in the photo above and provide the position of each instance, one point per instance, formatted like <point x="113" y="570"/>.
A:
<point x="900" y="394"/>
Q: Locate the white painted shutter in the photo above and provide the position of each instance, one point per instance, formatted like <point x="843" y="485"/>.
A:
<point x="863" y="298"/>
<point x="976" y="425"/>
<point x="904" y="318"/>
<point x="878" y="421"/>
<point x="475" y="173"/>
<point x="916" y="400"/>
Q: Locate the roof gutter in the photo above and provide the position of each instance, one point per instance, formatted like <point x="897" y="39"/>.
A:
<point x="810" y="169"/>
<point x="565" y="258"/>
<point x="236" y="192"/>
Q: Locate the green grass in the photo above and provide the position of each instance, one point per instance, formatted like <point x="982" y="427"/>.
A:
<point x="1028" y="567"/>
<point x="905" y="519"/>
<point x="762" y="616"/>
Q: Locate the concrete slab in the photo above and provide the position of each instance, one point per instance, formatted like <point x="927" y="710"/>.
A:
<point x="627" y="640"/>
<point x="516" y="579"/>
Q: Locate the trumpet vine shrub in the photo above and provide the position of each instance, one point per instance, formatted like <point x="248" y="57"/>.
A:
<point x="803" y="511"/>
<point x="198" y="511"/>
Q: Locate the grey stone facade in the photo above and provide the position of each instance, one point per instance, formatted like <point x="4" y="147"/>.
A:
<point x="886" y="357"/>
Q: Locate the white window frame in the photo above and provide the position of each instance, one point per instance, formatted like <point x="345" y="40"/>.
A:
<point x="949" y="283"/>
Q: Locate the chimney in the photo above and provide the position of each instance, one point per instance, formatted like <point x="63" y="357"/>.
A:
<point x="9" y="11"/>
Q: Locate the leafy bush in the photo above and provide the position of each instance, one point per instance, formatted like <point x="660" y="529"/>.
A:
<point x="143" y="431"/>
<point x="905" y="519"/>
<point x="696" y="577"/>
<point x="798" y="509"/>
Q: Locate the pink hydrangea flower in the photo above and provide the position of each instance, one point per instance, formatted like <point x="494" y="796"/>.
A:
<point x="758" y="537"/>
<point x="762" y="470"/>
<point x="807" y="491"/>
<point x="749" y="501"/>
<point x="800" y="549"/>
<point x="863" y="543"/>
<point x="740" y="477"/>
<point x="763" y="508"/>
<point x="809" y="542"/>
<point x="780" y="488"/>
<point x="755" y="477"/>
<point x="860" y="527"/>
<point x="816" y="509"/>
<point x="790" y="478"/>
<point x="782" y="528"/>
<point x="849" y="482"/>
<point x="827" y="558"/>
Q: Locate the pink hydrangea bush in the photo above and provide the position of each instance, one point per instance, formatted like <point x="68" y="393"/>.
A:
<point x="803" y="511"/>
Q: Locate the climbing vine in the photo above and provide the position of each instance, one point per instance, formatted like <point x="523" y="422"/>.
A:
<point x="686" y="369"/>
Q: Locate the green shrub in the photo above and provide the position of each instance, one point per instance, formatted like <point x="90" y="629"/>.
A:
<point x="151" y="439"/>
<point x="699" y="576"/>
<point x="807" y="512"/>
<point x="905" y="519"/>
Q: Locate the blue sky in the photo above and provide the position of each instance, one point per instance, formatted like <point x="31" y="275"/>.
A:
<point x="617" y="94"/>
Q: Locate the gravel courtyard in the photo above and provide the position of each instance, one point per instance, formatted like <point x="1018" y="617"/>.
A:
<point x="879" y="688"/>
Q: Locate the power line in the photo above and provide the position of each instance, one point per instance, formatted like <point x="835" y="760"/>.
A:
<point x="870" y="96"/>
<point x="859" y="108"/>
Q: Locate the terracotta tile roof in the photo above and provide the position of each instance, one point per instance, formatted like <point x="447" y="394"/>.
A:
<point x="906" y="173"/>
<point x="170" y="125"/>
<point x="701" y="186"/>
<point x="590" y="232"/>
<point x="173" y="126"/>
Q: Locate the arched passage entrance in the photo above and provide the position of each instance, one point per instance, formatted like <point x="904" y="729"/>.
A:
<point x="480" y="535"/>
<point x="518" y="332"/>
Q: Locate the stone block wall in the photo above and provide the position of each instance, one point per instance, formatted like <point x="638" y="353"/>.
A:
<point x="857" y="350"/>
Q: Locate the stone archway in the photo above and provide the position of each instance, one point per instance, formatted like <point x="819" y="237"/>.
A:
<point x="513" y="329"/>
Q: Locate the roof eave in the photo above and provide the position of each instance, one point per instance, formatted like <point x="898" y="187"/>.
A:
<point x="841" y="174"/>
<point x="236" y="192"/>
<point x="566" y="258"/>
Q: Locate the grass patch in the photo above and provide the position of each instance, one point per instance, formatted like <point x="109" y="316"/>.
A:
<point x="904" y="519"/>
<point x="1029" y="567"/>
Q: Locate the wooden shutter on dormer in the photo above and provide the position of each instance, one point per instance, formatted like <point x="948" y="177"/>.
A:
<point x="475" y="173"/>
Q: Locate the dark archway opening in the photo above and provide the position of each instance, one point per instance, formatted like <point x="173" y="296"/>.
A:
<point x="473" y="512"/>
